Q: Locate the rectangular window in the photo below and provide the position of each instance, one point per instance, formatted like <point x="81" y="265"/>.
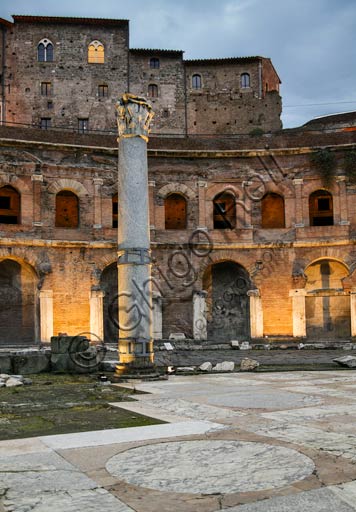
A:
<point x="83" y="125"/>
<point x="45" y="123"/>
<point x="4" y="203"/>
<point x="103" y="91"/>
<point x="46" y="88"/>
<point x="49" y="104"/>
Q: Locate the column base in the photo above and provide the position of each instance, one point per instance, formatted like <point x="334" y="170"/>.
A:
<point x="142" y="370"/>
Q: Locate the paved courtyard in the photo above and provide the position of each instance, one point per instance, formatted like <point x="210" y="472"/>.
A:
<point x="233" y="442"/>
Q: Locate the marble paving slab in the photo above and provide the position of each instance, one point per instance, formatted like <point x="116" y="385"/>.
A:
<point x="320" y="500"/>
<point x="129" y="435"/>
<point x="212" y="466"/>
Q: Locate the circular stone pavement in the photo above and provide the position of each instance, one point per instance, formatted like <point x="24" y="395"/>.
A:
<point x="210" y="466"/>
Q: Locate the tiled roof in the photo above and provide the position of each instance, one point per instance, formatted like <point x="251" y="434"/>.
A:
<point x="64" y="19"/>
<point x="157" y="51"/>
<point x="225" y="60"/>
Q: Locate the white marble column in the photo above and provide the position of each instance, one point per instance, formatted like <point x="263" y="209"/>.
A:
<point x="46" y="315"/>
<point x="353" y="312"/>
<point x="157" y="316"/>
<point x="96" y="302"/>
<point x="200" y="331"/>
<point x="134" y="255"/>
<point x="256" y="314"/>
<point x="299" y="318"/>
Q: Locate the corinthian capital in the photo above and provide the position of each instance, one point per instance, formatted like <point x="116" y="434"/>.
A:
<point x="134" y="115"/>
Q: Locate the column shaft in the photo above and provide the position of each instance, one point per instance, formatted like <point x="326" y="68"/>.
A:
<point x="46" y="315"/>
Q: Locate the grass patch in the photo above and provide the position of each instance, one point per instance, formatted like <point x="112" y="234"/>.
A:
<point x="62" y="404"/>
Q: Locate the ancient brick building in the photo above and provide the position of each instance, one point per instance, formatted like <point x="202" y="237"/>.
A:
<point x="251" y="237"/>
<point x="252" y="231"/>
<point x="69" y="72"/>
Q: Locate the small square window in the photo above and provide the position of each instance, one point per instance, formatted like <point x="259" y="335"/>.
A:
<point x="46" y="88"/>
<point x="154" y="63"/>
<point x="45" y="123"/>
<point x="103" y="91"/>
<point x="83" y="125"/>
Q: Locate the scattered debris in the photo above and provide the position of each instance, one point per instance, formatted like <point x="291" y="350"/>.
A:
<point x="348" y="361"/>
<point x="248" y="365"/>
<point x="206" y="367"/>
<point x="225" y="366"/>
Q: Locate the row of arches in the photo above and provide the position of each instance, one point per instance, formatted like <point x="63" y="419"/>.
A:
<point x="176" y="209"/>
<point x="272" y="210"/>
<point x="96" y="52"/>
<point x="226" y="282"/>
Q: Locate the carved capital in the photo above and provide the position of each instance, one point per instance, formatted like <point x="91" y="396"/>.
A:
<point x="134" y="115"/>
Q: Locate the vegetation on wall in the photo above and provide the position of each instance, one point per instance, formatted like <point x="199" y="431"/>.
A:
<point x="350" y="165"/>
<point x="324" y="161"/>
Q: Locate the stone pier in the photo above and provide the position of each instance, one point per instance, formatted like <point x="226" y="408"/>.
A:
<point x="134" y="261"/>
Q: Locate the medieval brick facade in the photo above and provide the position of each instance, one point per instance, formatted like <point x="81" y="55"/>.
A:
<point x="68" y="73"/>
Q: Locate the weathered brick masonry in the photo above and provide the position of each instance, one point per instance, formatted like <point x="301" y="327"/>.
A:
<point x="53" y="76"/>
<point x="292" y="280"/>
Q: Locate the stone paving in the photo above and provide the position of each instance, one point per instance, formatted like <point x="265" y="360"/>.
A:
<point x="233" y="442"/>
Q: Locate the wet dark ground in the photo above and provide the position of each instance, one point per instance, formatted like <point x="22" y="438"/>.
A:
<point x="60" y="404"/>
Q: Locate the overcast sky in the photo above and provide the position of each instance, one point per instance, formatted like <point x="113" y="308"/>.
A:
<point x="312" y="43"/>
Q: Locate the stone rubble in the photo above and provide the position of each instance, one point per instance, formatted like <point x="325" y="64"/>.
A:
<point x="348" y="361"/>
<point x="225" y="366"/>
<point x="11" y="381"/>
<point x="248" y="365"/>
<point x="206" y="367"/>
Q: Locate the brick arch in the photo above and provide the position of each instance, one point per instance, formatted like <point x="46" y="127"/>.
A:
<point x="22" y="256"/>
<point x="17" y="183"/>
<point x="285" y="190"/>
<point x="178" y="188"/>
<point x="219" y="258"/>
<point x="218" y="188"/>
<point x="68" y="184"/>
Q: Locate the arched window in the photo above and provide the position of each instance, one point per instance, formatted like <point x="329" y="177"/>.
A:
<point x="96" y="53"/>
<point x="153" y="90"/>
<point x="10" y="201"/>
<point x="321" y="208"/>
<point x="67" y="209"/>
<point x="114" y="211"/>
<point x="196" y="81"/>
<point x="272" y="207"/>
<point x="154" y="63"/>
<point x="45" y="51"/>
<point x="224" y="211"/>
<point x="175" y="212"/>
<point x="245" y="80"/>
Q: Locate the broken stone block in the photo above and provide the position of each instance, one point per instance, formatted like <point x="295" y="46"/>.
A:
<point x="225" y="366"/>
<point x="248" y="365"/>
<point x="177" y="336"/>
<point x="244" y="345"/>
<point x="206" y="367"/>
<point x="4" y="376"/>
<point x="13" y="382"/>
<point x="235" y="344"/>
<point x="185" y="369"/>
<point x="5" y="364"/>
<point x="346" y="361"/>
<point x="26" y="362"/>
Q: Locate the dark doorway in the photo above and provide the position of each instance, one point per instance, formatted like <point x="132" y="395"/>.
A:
<point x="109" y="285"/>
<point x="227" y="284"/>
<point x="17" y="304"/>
